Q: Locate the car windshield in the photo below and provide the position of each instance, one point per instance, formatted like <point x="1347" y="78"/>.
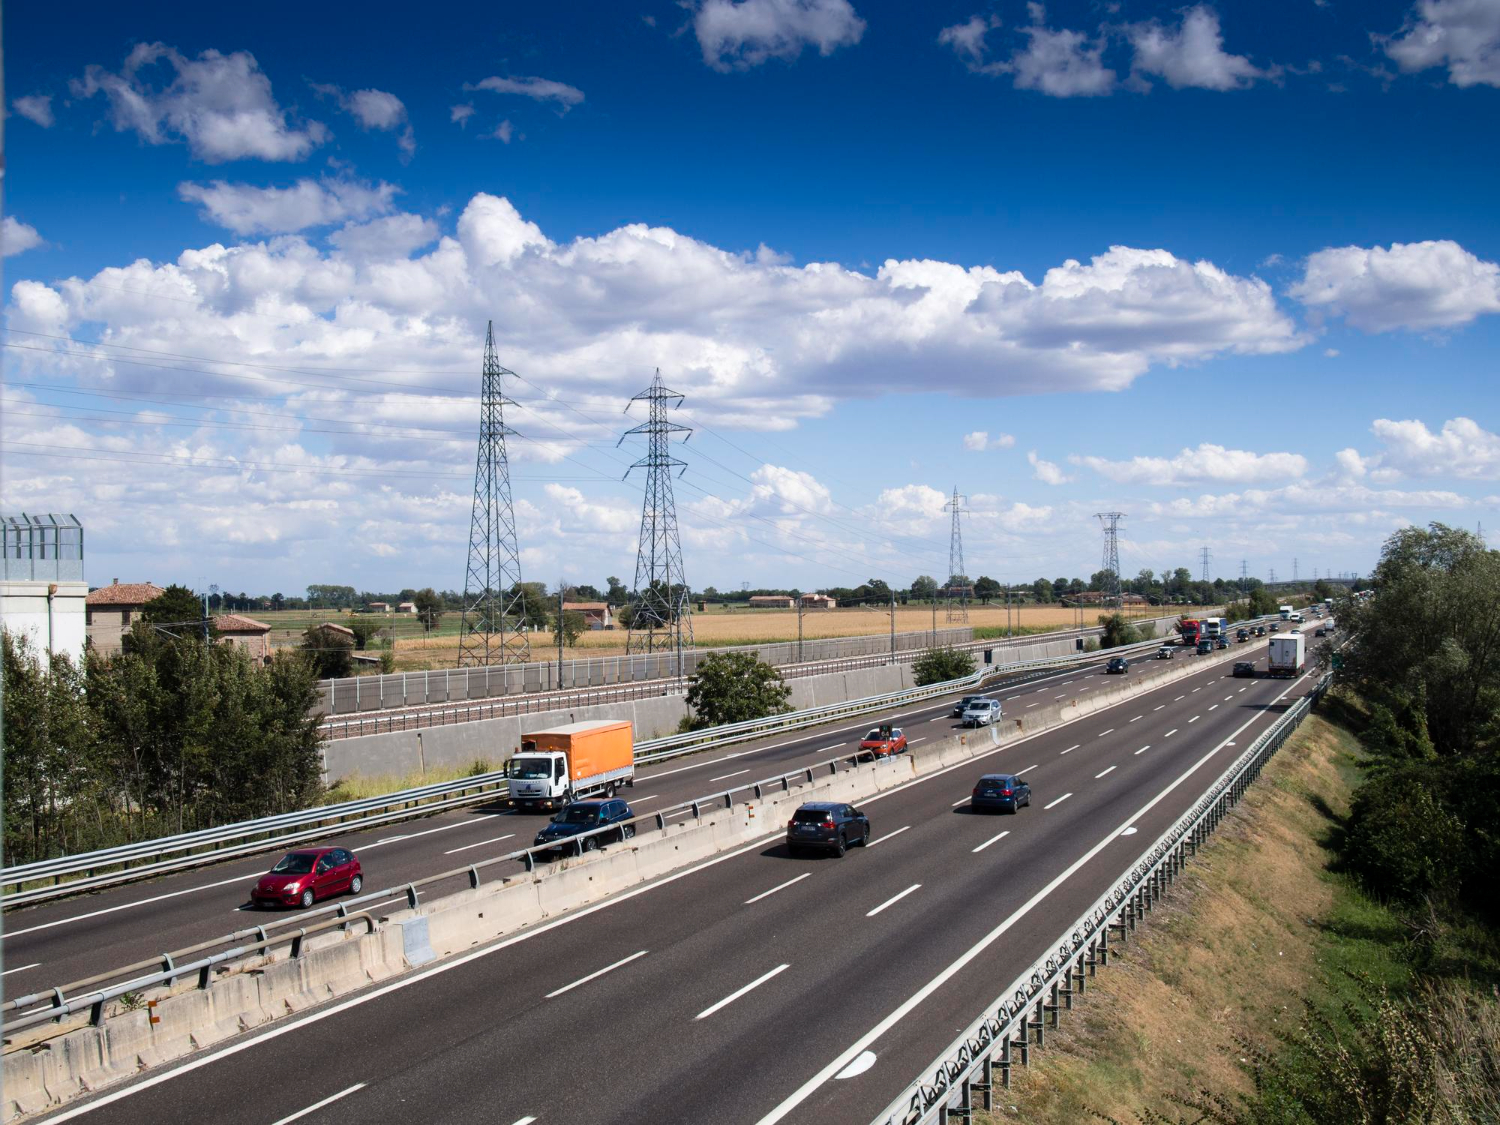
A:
<point x="530" y="768"/>
<point x="812" y="816"/>
<point x="295" y="863"/>
<point x="875" y="736"/>
<point x="575" y="815"/>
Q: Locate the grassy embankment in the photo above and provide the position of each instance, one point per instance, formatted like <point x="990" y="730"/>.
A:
<point x="1259" y="923"/>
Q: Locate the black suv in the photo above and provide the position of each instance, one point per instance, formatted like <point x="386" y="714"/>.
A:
<point x="1118" y="664"/>
<point x="1003" y="791"/>
<point x="826" y="826"/>
<point x="1244" y="668"/>
<point x="584" y="816"/>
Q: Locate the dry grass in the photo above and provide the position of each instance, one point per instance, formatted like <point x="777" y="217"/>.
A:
<point x="358" y="788"/>
<point x="1219" y="959"/>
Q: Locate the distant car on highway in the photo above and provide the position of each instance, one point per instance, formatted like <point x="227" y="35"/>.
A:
<point x="981" y="713"/>
<point x="1275" y="628"/>
<point x="1205" y="647"/>
<point x="1116" y="665"/>
<point x="1242" y="635"/>
<point x="1244" y="668"/>
<point x="302" y="877"/>
<point x="584" y="816"/>
<point x="1322" y="631"/>
<point x="1003" y="791"/>
<point x="1222" y="642"/>
<point x="826" y="826"/>
<point x="1260" y="630"/>
<point x="1166" y="652"/>
<point x="883" y="741"/>
<point x="963" y="704"/>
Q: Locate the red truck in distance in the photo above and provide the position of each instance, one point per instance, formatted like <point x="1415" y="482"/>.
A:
<point x="1190" y="630"/>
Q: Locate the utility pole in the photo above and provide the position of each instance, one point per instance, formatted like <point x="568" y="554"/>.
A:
<point x="1294" y="571"/>
<point x="799" y="630"/>
<point x="661" y="611"/>
<point x="492" y="582"/>
<point x="893" y="626"/>
<point x="1244" y="575"/>
<point x="956" y="559"/>
<point x="934" y="619"/>
<point x="560" y="623"/>
<point x="1205" y="555"/>
<point x="1273" y="577"/>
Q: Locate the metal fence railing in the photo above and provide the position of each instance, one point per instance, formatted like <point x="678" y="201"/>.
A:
<point x="966" y="1075"/>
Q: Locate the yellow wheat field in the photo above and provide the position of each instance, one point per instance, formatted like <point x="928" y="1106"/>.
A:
<point x="763" y="626"/>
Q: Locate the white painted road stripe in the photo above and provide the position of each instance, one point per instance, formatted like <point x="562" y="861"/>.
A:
<point x="887" y="836"/>
<point x="20" y="968"/>
<point x="329" y="1100"/>
<point x="803" y="1092"/>
<point x="1070" y="749"/>
<point x="525" y="1121"/>
<point x="1195" y="718"/>
<point x="1144" y="748"/>
<point x="643" y="800"/>
<point x="1111" y="730"/>
<point x="246" y="879"/>
<point x="727" y="776"/>
<point x="1158" y="708"/>
<point x="596" y="975"/>
<point x="779" y="887"/>
<point x="1111" y="769"/>
<point x="1059" y="801"/>
<point x="733" y="996"/>
<point x="992" y="840"/>
<point x="893" y="900"/>
<point x="1171" y="732"/>
<point x="429" y="832"/>
<point x="957" y="803"/>
<point x="1028" y="769"/>
<point x="1215" y="707"/>
<point x="1179" y="697"/>
<point x="1137" y="719"/>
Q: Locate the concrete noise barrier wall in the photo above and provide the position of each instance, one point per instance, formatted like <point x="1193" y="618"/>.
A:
<point x="41" y="1074"/>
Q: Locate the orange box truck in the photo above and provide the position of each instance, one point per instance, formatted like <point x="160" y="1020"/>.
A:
<point x="568" y="763"/>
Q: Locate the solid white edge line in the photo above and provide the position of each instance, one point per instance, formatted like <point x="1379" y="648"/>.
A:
<point x="733" y="996"/>
<point x="418" y="977"/>
<point x="597" y="974"/>
<point x="887" y="836"/>
<point x="778" y="887"/>
<point x="1059" y="801"/>
<point x="798" y="1096"/>
<point x="893" y="900"/>
<point x="991" y="840"/>
<point x="1111" y="769"/>
<point x="319" y="1105"/>
<point x="21" y="968"/>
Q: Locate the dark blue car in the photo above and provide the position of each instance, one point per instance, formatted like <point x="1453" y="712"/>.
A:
<point x="826" y="826"/>
<point x="584" y="816"/>
<point x="1002" y="791"/>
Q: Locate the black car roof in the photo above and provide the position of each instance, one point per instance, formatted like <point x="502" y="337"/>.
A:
<point x="819" y="806"/>
<point x="998" y="777"/>
<point x="592" y="803"/>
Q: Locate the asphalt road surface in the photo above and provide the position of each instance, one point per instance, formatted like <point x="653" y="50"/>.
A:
<point x="754" y="987"/>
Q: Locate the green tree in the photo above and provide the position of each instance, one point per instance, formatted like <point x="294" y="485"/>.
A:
<point x="571" y="625"/>
<point x="537" y="606"/>
<point x="939" y="665"/>
<point x="617" y="594"/>
<point x="1041" y="590"/>
<point x="363" y="629"/>
<point x="429" y="607"/>
<point x="735" y="687"/>
<point x="986" y="589"/>
<point x="329" y="652"/>
<point x="1117" y="631"/>
<point x="924" y="587"/>
<point x="176" y="605"/>
<point x="1322" y="590"/>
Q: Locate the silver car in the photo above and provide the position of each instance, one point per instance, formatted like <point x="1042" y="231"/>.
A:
<point x="981" y="713"/>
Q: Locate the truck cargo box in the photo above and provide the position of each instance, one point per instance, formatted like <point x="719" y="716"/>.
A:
<point x="595" y="747"/>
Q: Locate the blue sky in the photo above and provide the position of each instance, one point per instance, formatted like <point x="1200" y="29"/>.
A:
<point x="856" y="236"/>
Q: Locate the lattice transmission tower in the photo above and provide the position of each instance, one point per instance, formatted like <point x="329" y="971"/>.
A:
<point x="661" y="614"/>
<point x="1110" y="560"/>
<point x="494" y="603"/>
<point x="956" y="575"/>
<point x="1206" y="556"/>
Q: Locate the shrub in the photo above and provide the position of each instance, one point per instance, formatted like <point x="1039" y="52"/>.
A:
<point x="939" y="665"/>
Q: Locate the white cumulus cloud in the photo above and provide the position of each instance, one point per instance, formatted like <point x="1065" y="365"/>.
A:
<point x="219" y="105"/>
<point x="36" y="108"/>
<point x="246" y="209"/>
<point x="1208" y="463"/>
<point x="1416" y="285"/>
<point x="739" y="34"/>
<point x="1462" y="35"/>
<point x="538" y="89"/>
<point x="1061" y="64"/>
<point x="1048" y="472"/>
<point x="377" y="110"/>
<point x="1191" y="55"/>
<point x="17" y="237"/>
<point x="1462" y="449"/>
<point x="980" y="440"/>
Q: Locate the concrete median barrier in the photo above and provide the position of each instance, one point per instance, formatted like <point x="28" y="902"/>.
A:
<point x="41" y="1073"/>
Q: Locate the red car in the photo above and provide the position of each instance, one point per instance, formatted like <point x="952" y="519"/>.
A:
<point x="883" y="741"/>
<point x="303" y="877"/>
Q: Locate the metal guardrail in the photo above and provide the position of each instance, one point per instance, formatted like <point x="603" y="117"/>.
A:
<point x="423" y="800"/>
<point x="963" y="1078"/>
<point x="58" y="1002"/>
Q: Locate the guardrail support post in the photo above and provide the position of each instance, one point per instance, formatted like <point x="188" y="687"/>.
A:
<point x="729" y="800"/>
<point x="473" y="877"/>
<point x="205" y="975"/>
<point x="1039" y="1025"/>
<point x="696" y="813"/>
<point x="529" y="860"/>
<point x="411" y="895"/>
<point x="1005" y="1062"/>
<point x="661" y="822"/>
<point x="1055" y="1005"/>
<point x="96" y="1012"/>
<point x="167" y="965"/>
<point x="986" y="1084"/>
<point x="297" y="942"/>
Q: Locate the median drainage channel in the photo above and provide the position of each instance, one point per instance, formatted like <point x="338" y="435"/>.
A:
<point x="71" y="1044"/>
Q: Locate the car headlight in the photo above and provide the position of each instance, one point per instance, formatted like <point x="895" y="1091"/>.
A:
<point x="292" y="888"/>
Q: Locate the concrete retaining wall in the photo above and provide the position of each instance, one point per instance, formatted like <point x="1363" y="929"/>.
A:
<point x="88" y="1058"/>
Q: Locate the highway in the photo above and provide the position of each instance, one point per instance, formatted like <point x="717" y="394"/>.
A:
<point x="740" y="990"/>
<point x="55" y="943"/>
